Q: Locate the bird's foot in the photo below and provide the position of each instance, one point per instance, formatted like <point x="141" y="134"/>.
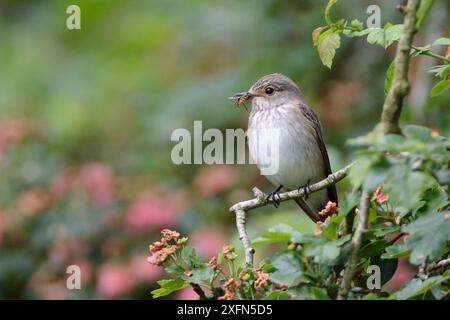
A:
<point x="306" y="190"/>
<point x="275" y="197"/>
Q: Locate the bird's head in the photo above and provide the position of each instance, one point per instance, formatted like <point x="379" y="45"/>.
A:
<point x="269" y="91"/>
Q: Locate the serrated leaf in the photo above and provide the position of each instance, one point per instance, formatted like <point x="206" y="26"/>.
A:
<point x="316" y="33"/>
<point x="289" y="269"/>
<point x="405" y="187"/>
<point x="200" y="275"/>
<point x="189" y="257"/>
<point x="396" y="251"/>
<point x="381" y="230"/>
<point x="417" y="287"/>
<point x="169" y="286"/>
<point x="428" y="237"/>
<point x="327" y="43"/>
<point x="384" y="36"/>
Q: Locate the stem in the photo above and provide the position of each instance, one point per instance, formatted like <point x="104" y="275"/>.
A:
<point x="355" y="245"/>
<point x="431" y="54"/>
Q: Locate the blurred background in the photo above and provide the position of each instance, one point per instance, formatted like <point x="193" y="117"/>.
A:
<point x="86" y="117"/>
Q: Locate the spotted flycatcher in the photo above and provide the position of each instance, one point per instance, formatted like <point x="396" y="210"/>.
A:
<point x="278" y="109"/>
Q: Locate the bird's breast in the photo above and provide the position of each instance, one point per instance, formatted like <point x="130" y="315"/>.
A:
<point x="281" y="137"/>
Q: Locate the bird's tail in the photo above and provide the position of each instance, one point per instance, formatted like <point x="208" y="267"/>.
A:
<point x="313" y="215"/>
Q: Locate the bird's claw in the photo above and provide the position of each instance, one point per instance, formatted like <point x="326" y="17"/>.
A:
<point x="275" y="197"/>
<point x="306" y="190"/>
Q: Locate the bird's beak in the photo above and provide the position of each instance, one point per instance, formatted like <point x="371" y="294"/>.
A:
<point x="241" y="97"/>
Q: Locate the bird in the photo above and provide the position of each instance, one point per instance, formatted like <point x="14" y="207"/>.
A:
<point x="278" y="110"/>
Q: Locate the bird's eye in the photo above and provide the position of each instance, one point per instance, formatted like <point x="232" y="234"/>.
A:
<point x="269" y="90"/>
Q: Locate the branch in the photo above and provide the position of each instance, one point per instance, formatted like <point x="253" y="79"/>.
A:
<point x="355" y="245"/>
<point x="261" y="200"/>
<point x="439" y="265"/>
<point x="393" y="103"/>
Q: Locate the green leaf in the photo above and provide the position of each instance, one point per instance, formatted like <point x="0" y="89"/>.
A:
<point x="168" y="286"/>
<point x="434" y="199"/>
<point x="396" y="251"/>
<point x="405" y="187"/>
<point x="200" y="275"/>
<point x="189" y="257"/>
<point x="440" y="88"/>
<point x="428" y="237"/>
<point x="417" y="287"/>
<point x="278" y="295"/>
<point x="424" y="8"/>
<point x="418" y="133"/>
<point x="323" y="251"/>
<point x="289" y="269"/>
<point x="355" y="23"/>
<point x="442" y="71"/>
<point x="381" y="230"/>
<point x="175" y="269"/>
<point x="319" y="293"/>
<point x="316" y="33"/>
<point x="327" y="43"/>
<point x="280" y="233"/>
<point x="384" y="36"/>
<point x="441" y="42"/>
<point x="389" y="75"/>
<point x="392" y="34"/>
<point x="372" y="249"/>
<point x="359" y="171"/>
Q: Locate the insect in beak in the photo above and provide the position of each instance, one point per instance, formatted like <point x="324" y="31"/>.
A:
<point x="241" y="98"/>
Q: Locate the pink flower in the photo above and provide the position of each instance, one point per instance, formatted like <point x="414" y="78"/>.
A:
<point x="114" y="281"/>
<point x="186" y="294"/>
<point x="215" y="179"/>
<point x="207" y="242"/>
<point x="99" y="181"/>
<point x="154" y="211"/>
<point x="142" y="270"/>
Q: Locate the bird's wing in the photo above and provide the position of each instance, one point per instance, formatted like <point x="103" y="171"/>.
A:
<point x="315" y="123"/>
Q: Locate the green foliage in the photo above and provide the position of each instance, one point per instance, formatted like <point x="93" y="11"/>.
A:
<point x="169" y="286"/>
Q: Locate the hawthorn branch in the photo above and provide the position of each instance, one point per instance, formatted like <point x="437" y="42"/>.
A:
<point x="392" y="107"/>
<point x="439" y="265"/>
<point x="355" y="245"/>
<point x="241" y="208"/>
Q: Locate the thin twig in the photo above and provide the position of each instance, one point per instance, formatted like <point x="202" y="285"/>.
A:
<point x="199" y="291"/>
<point x="392" y="108"/>
<point x="431" y="54"/>
<point x="395" y="239"/>
<point x="240" y="209"/>
<point x="439" y="265"/>
<point x="355" y="245"/>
